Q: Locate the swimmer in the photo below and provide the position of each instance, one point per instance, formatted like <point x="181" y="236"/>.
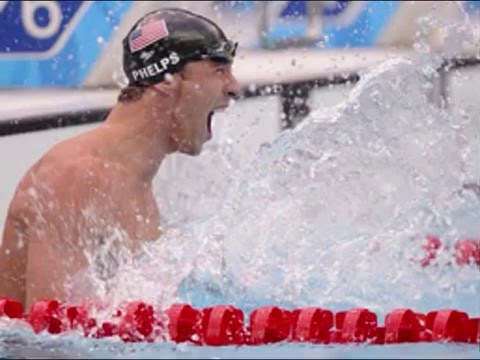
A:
<point x="90" y="187"/>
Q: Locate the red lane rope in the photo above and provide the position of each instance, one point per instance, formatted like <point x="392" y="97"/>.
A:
<point x="465" y="252"/>
<point x="137" y="321"/>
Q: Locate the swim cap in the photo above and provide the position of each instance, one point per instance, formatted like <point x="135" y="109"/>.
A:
<point x="163" y="41"/>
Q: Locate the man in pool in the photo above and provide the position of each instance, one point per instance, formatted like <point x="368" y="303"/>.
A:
<point x="93" y="193"/>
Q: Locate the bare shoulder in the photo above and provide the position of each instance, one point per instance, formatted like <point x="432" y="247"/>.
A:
<point x="62" y="174"/>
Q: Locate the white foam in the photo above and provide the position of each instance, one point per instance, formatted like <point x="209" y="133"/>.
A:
<point x="332" y="212"/>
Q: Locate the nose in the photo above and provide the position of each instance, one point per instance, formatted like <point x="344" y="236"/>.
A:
<point x="233" y="87"/>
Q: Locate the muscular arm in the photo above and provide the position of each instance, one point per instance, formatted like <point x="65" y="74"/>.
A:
<point x="51" y="260"/>
<point x="33" y="260"/>
<point x="78" y="216"/>
<point x="39" y="248"/>
<point x="13" y="257"/>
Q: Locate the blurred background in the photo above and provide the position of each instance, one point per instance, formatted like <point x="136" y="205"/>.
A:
<point x="77" y="43"/>
<point x="60" y="63"/>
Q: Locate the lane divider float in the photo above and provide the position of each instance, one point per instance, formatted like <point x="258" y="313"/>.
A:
<point x="221" y="325"/>
<point x="465" y="252"/>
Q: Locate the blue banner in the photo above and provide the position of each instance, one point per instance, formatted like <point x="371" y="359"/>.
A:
<point x="54" y="43"/>
<point x="57" y="43"/>
<point x="340" y="23"/>
<point x="36" y="28"/>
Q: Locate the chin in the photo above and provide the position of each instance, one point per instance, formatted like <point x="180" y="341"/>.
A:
<point x="192" y="151"/>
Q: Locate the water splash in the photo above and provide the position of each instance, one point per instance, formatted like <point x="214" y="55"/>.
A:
<point x="333" y="212"/>
<point x="330" y="213"/>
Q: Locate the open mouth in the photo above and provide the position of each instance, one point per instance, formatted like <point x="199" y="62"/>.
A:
<point x="209" y="121"/>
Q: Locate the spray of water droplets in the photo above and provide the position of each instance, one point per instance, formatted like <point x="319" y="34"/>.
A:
<point x="333" y="212"/>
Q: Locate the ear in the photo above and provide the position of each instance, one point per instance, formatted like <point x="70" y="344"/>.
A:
<point x="169" y="86"/>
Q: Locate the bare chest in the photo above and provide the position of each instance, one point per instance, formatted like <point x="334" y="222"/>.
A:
<point x="138" y="215"/>
<point x="133" y="211"/>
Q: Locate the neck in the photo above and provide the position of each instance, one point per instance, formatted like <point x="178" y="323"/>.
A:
<point x="135" y="138"/>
